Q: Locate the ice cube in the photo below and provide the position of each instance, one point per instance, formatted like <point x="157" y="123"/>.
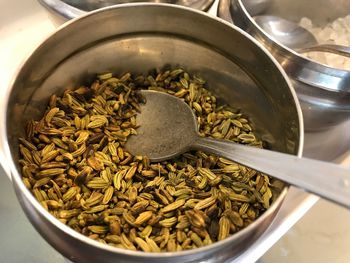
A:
<point x="325" y="34"/>
<point x="347" y="22"/>
<point x="305" y="23"/>
<point x="342" y="40"/>
<point x="336" y="32"/>
<point x="347" y="64"/>
<point x="336" y="25"/>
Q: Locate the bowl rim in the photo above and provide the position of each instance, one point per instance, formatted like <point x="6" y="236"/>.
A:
<point x="17" y="178"/>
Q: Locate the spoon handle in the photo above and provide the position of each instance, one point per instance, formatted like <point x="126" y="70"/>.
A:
<point x="329" y="48"/>
<point x="324" y="179"/>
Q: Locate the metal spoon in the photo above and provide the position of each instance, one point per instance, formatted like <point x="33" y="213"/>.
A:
<point x="255" y="7"/>
<point x="168" y="128"/>
<point x="296" y="37"/>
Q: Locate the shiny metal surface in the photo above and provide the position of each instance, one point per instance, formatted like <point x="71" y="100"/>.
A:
<point x="329" y="48"/>
<point x="322" y="91"/>
<point x="68" y="9"/>
<point x="323" y="76"/>
<point x="89" y="5"/>
<point x="326" y="180"/>
<point x="61" y="11"/>
<point x="286" y="32"/>
<point x="168" y="128"/>
<point x="296" y="37"/>
<point x="256" y="7"/>
<point x="233" y="67"/>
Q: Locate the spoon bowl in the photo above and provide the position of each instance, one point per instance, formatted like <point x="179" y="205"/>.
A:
<point x="256" y="7"/>
<point x="172" y="129"/>
<point x="168" y="128"/>
<point x="286" y="32"/>
<point x="296" y="37"/>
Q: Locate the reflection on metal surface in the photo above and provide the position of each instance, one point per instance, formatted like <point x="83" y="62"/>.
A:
<point x="89" y="5"/>
<point x="256" y="7"/>
<point x="288" y="33"/>
<point x="296" y="37"/>
<point x="70" y="9"/>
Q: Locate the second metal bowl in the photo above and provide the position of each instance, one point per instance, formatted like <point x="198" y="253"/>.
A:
<point x="63" y="10"/>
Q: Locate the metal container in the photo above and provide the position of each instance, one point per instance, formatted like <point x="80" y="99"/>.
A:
<point x="323" y="91"/>
<point x="62" y="10"/>
<point x="139" y="37"/>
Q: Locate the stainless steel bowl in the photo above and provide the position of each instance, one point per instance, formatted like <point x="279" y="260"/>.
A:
<point x="63" y="10"/>
<point x="139" y="37"/>
<point x="323" y="91"/>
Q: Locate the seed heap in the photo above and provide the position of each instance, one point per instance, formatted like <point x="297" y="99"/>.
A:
<point x="74" y="163"/>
